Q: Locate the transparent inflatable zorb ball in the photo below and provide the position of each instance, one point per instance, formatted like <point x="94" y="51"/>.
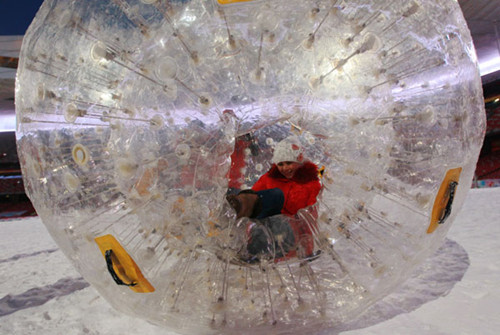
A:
<point x="135" y="118"/>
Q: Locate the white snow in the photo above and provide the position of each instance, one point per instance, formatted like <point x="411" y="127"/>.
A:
<point x="456" y="291"/>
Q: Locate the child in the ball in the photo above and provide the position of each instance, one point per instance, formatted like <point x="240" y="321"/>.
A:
<point x="291" y="184"/>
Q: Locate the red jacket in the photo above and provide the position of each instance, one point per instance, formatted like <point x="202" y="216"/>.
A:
<point x="300" y="191"/>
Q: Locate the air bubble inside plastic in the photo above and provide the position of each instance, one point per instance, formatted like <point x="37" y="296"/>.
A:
<point x="128" y="113"/>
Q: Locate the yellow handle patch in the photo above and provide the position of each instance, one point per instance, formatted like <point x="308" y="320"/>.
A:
<point x="123" y="266"/>
<point x="444" y="199"/>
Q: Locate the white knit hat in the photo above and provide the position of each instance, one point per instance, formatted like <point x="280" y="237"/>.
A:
<point x="288" y="150"/>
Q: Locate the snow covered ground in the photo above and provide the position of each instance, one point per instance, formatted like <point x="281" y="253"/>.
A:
<point x="456" y="291"/>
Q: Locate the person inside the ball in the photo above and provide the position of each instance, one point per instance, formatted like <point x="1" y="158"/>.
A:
<point x="273" y="204"/>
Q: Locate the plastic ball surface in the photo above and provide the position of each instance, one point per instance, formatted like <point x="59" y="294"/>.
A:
<point x="129" y="112"/>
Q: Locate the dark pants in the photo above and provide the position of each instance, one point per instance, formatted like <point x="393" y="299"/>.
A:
<point x="270" y="235"/>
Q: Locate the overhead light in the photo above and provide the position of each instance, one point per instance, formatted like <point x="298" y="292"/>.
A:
<point x="489" y="66"/>
<point x="7" y="123"/>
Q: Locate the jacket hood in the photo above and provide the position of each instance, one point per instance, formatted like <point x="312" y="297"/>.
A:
<point x="307" y="172"/>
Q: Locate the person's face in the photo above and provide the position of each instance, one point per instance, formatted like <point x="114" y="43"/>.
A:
<point x="288" y="169"/>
